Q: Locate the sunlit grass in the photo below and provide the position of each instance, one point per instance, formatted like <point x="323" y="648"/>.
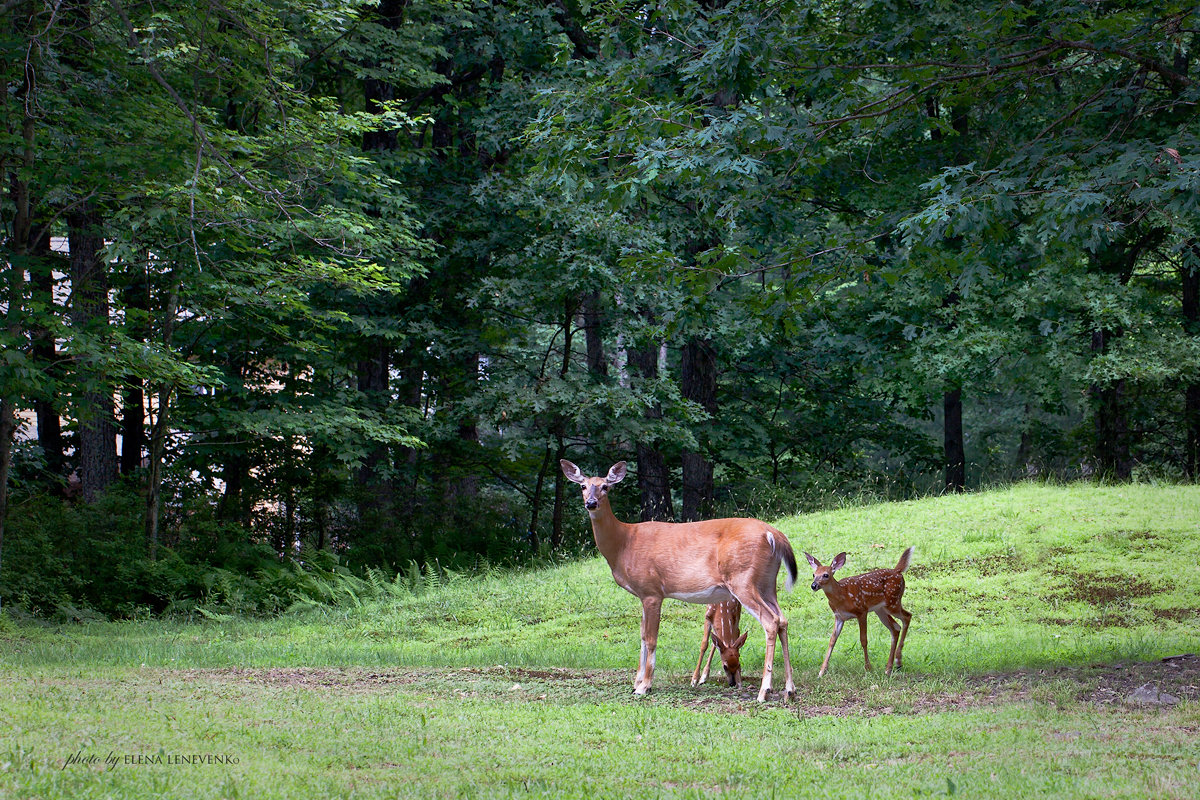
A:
<point x="518" y="684"/>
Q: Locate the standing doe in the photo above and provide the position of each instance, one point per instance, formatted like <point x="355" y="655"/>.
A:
<point x="721" y="627"/>
<point x="713" y="561"/>
<point x="879" y="590"/>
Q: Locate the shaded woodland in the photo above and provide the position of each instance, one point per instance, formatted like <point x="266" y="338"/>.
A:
<point x="298" y="285"/>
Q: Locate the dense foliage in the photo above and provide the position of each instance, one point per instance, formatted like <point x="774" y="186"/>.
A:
<point x="340" y="282"/>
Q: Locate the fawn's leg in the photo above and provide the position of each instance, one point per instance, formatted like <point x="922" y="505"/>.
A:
<point x="862" y="637"/>
<point x="905" y="618"/>
<point x="894" y="627"/>
<point x="837" y="630"/>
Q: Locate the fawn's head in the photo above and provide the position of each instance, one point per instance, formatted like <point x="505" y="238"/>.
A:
<point x="823" y="575"/>
<point x="731" y="657"/>
<point x="594" y="489"/>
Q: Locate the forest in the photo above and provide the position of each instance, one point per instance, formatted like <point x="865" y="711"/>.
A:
<point x="323" y="287"/>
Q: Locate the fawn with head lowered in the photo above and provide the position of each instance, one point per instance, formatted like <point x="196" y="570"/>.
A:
<point x="713" y="561"/>
<point x="879" y="590"/>
<point x="721" y="629"/>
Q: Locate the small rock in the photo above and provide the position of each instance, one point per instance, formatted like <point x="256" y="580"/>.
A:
<point x="1152" y="695"/>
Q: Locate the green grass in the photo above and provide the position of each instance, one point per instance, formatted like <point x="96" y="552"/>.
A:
<point x="520" y="684"/>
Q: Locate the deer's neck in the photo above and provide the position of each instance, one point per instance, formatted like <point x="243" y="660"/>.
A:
<point x="834" y="591"/>
<point x="609" y="532"/>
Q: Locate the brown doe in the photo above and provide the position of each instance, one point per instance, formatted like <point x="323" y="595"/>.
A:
<point x="879" y="590"/>
<point x="712" y="561"/>
<point x="721" y="628"/>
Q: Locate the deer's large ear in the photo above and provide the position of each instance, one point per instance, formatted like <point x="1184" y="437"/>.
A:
<point x="571" y="471"/>
<point x="741" y="640"/>
<point x="838" y="562"/>
<point x="616" y="473"/>
<point x="812" y="562"/>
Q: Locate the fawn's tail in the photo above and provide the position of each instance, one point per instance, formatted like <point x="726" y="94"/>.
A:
<point x="904" y="560"/>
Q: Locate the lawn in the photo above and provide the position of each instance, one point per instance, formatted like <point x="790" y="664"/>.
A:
<point x="1038" y="612"/>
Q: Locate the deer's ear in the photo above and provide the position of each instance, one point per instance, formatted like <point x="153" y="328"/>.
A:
<point x="838" y="562"/>
<point x="616" y="473"/>
<point x="741" y="640"/>
<point x="812" y="562"/>
<point x="571" y="471"/>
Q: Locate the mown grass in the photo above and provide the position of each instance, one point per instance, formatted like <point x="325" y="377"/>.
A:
<point x="519" y="684"/>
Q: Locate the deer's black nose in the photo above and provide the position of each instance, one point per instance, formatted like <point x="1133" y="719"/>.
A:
<point x="590" y="505"/>
<point x="815" y="586"/>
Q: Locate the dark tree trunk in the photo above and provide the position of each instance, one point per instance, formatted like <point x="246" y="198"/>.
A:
<point x="464" y="484"/>
<point x="45" y="354"/>
<point x="133" y="406"/>
<point x="377" y="91"/>
<point x="235" y="473"/>
<point x="22" y="227"/>
<point x="698" y="379"/>
<point x="560" y="494"/>
<point x="374" y="383"/>
<point x="97" y="451"/>
<point x="160" y="429"/>
<point x="1111" y="417"/>
<point x="955" y="458"/>
<point x="1190" y="278"/>
<point x="536" y="503"/>
<point x="652" y="475"/>
<point x="560" y="425"/>
<point x="409" y="390"/>
<point x="1111" y="422"/>
<point x="593" y="331"/>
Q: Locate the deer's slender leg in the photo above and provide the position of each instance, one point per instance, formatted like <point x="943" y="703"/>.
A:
<point x="651" y="613"/>
<point x="837" y="631"/>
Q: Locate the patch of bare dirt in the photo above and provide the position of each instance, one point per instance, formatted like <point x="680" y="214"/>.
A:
<point x="1100" y="684"/>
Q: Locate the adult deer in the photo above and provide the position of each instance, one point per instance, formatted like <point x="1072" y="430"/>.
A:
<point x="713" y="561"/>
<point x="721" y="628"/>
<point x="879" y="590"/>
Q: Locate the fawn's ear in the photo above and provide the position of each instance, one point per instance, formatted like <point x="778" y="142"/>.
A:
<point x="741" y="640"/>
<point x="812" y="562"/>
<point x="716" y="639"/>
<point x="616" y="473"/>
<point x="838" y="562"/>
<point x="571" y="471"/>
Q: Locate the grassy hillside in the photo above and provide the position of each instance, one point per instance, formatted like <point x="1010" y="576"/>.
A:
<point x="520" y="684"/>
<point x="1029" y="576"/>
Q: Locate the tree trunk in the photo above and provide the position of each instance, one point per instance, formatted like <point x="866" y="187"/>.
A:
<point x="409" y="390"/>
<point x="955" y="458"/>
<point x="235" y="473"/>
<point x="158" y="431"/>
<point x="698" y="379"/>
<point x="1190" y="278"/>
<point x="653" y="478"/>
<point x="593" y="322"/>
<point x="560" y="494"/>
<point x="19" y="245"/>
<point x="133" y="400"/>
<point x="374" y="384"/>
<point x="45" y="354"/>
<point x="1111" y="422"/>
<point x="97" y="442"/>
<point x="536" y="503"/>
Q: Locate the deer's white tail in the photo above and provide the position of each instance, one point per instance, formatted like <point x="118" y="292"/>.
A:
<point x="783" y="547"/>
<point x="905" y="557"/>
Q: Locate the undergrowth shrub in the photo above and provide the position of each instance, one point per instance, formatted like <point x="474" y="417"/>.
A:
<point x="76" y="562"/>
